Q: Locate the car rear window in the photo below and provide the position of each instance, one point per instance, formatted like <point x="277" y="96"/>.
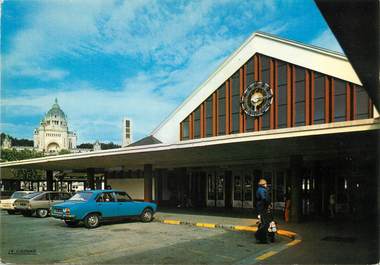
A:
<point x="43" y="197"/>
<point x="81" y="196"/>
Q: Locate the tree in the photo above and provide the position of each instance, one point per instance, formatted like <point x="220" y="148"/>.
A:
<point x="64" y="152"/>
<point x="86" y="145"/>
<point x="110" y="145"/>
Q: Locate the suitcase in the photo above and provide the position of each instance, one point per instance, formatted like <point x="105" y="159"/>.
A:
<point x="266" y="231"/>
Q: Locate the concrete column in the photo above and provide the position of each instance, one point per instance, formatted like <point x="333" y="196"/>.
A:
<point x="91" y="178"/>
<point x="296" y="169"/>
<point x="148" y="174"/>
<point x="49" y="179"/>
<point x="98" y="183"/>
<point x="105" y="179"/>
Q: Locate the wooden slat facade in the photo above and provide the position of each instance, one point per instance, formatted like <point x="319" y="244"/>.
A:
<point x="310" y="91"/>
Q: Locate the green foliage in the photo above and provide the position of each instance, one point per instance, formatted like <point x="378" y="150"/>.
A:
<point x="110" y="145"/>
<point x="13" y="154"/>
<point x="86" y="145"/>
<point x="104" y="146"/>
<point x="64" y="152"/>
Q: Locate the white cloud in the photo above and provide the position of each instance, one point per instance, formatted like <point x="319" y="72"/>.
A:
<point x="184" y="47"/>
<point x="327" y="40"/>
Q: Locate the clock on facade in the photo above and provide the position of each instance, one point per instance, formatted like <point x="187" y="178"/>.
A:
<point x="256" y="99"/>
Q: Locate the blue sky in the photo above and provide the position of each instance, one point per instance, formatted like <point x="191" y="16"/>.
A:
<point x="104" y="60"/>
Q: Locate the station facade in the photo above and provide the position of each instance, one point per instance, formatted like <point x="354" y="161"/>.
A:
<point x="294" y="114"/>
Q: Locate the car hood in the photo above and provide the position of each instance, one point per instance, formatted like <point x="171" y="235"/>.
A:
<point x="8" y="201"/>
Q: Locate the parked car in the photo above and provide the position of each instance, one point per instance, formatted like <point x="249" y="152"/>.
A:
<point x="94" y="206"/>
<point x="41" y="203"/>
<point x="8" y="204"/>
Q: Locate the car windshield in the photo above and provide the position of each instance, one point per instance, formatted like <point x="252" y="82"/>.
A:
<point x="81" y="196"/>
<point x="18" y="194"/>
<point x="31" y="195"/>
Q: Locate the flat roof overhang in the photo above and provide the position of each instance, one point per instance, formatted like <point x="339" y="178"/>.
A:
<point x="275" y="145"/>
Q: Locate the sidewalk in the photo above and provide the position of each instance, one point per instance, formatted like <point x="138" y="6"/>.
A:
<point x="213" y="216"/>
<point x="331" y="242"/>
<point x="323" y="241"/>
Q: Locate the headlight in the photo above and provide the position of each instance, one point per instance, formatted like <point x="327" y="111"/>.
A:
<point x="67" y="211"/>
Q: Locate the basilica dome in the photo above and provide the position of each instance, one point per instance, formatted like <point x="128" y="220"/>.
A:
<point x="55" y="116"/>
<point x="55" y="112"/>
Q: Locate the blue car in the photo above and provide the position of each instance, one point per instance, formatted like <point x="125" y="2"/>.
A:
<point x="94" y="206"/>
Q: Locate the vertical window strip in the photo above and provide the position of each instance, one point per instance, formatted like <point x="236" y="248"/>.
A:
<point x="221" y="110"/>
<point x="318" y="98"/>
<point x="362" y="103"/>
<point x="208" y="117"/>
<point x="235" y="106"/>
<point x="282" y="95"/>
<point x="249" y="79"/>
<point x="265" y="78"/>
<point x="339" y="97"/>
<point x="300" y="96"/>
<point x="185" y="129"/>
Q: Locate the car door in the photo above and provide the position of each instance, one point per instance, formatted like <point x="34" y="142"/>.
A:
<point x="55" y="198"/>
<point x="126" y="206"/>
<point x="107" y="204"/>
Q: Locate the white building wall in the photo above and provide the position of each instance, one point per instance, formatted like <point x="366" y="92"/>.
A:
<point x="133" y="186"/>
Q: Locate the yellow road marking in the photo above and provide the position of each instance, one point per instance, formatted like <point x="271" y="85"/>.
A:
<point x="172" y="222"/>
<point x="245" y="228"/>
<point x="206" y="225"/>
<point x="266" y="255"/>
<point x="286" y="233"/>
<point x="293" y="243"/>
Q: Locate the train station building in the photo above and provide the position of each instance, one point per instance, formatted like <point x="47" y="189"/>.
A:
<point x="294" y="114"/>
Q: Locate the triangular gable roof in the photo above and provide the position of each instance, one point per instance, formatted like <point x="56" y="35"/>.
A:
<point x="311" y="57"/>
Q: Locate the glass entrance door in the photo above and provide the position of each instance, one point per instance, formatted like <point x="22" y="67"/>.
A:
<point x="242" y="191"/>
<point x="215" y="189"/>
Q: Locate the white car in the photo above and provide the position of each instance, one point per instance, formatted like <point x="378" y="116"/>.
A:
<point x="8" y="204"/>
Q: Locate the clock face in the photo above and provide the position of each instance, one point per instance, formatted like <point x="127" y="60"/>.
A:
<point x="256" y="99"/>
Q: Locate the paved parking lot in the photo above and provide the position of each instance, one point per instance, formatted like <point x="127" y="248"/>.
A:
<point x="35" y="240"/>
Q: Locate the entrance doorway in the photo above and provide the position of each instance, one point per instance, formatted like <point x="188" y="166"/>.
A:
<point x="216" y="189"/>
<point x="242" y="191"/>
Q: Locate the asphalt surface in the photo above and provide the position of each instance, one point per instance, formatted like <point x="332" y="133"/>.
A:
<point x="35" y="241"/>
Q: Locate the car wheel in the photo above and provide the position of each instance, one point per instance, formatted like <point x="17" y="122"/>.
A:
<point x="146" y="215"/>
<point x="27" y="213"/>
<point x="71" y="223"/>
<point x="42" y="213"/>
<point x="92" y="220"/>
<point x="11" y="211"/>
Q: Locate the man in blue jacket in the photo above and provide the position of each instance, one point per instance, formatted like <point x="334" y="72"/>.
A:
<point x="262" y="204"/>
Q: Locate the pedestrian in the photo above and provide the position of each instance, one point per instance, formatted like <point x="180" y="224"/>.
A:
<point x="108" y="187"/>
<point x="262" y="207"/>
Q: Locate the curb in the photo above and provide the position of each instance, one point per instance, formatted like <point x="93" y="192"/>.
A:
<point x="295" y="238"/>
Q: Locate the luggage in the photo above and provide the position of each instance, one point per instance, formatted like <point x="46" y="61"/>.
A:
<point x="266" y="229"/>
